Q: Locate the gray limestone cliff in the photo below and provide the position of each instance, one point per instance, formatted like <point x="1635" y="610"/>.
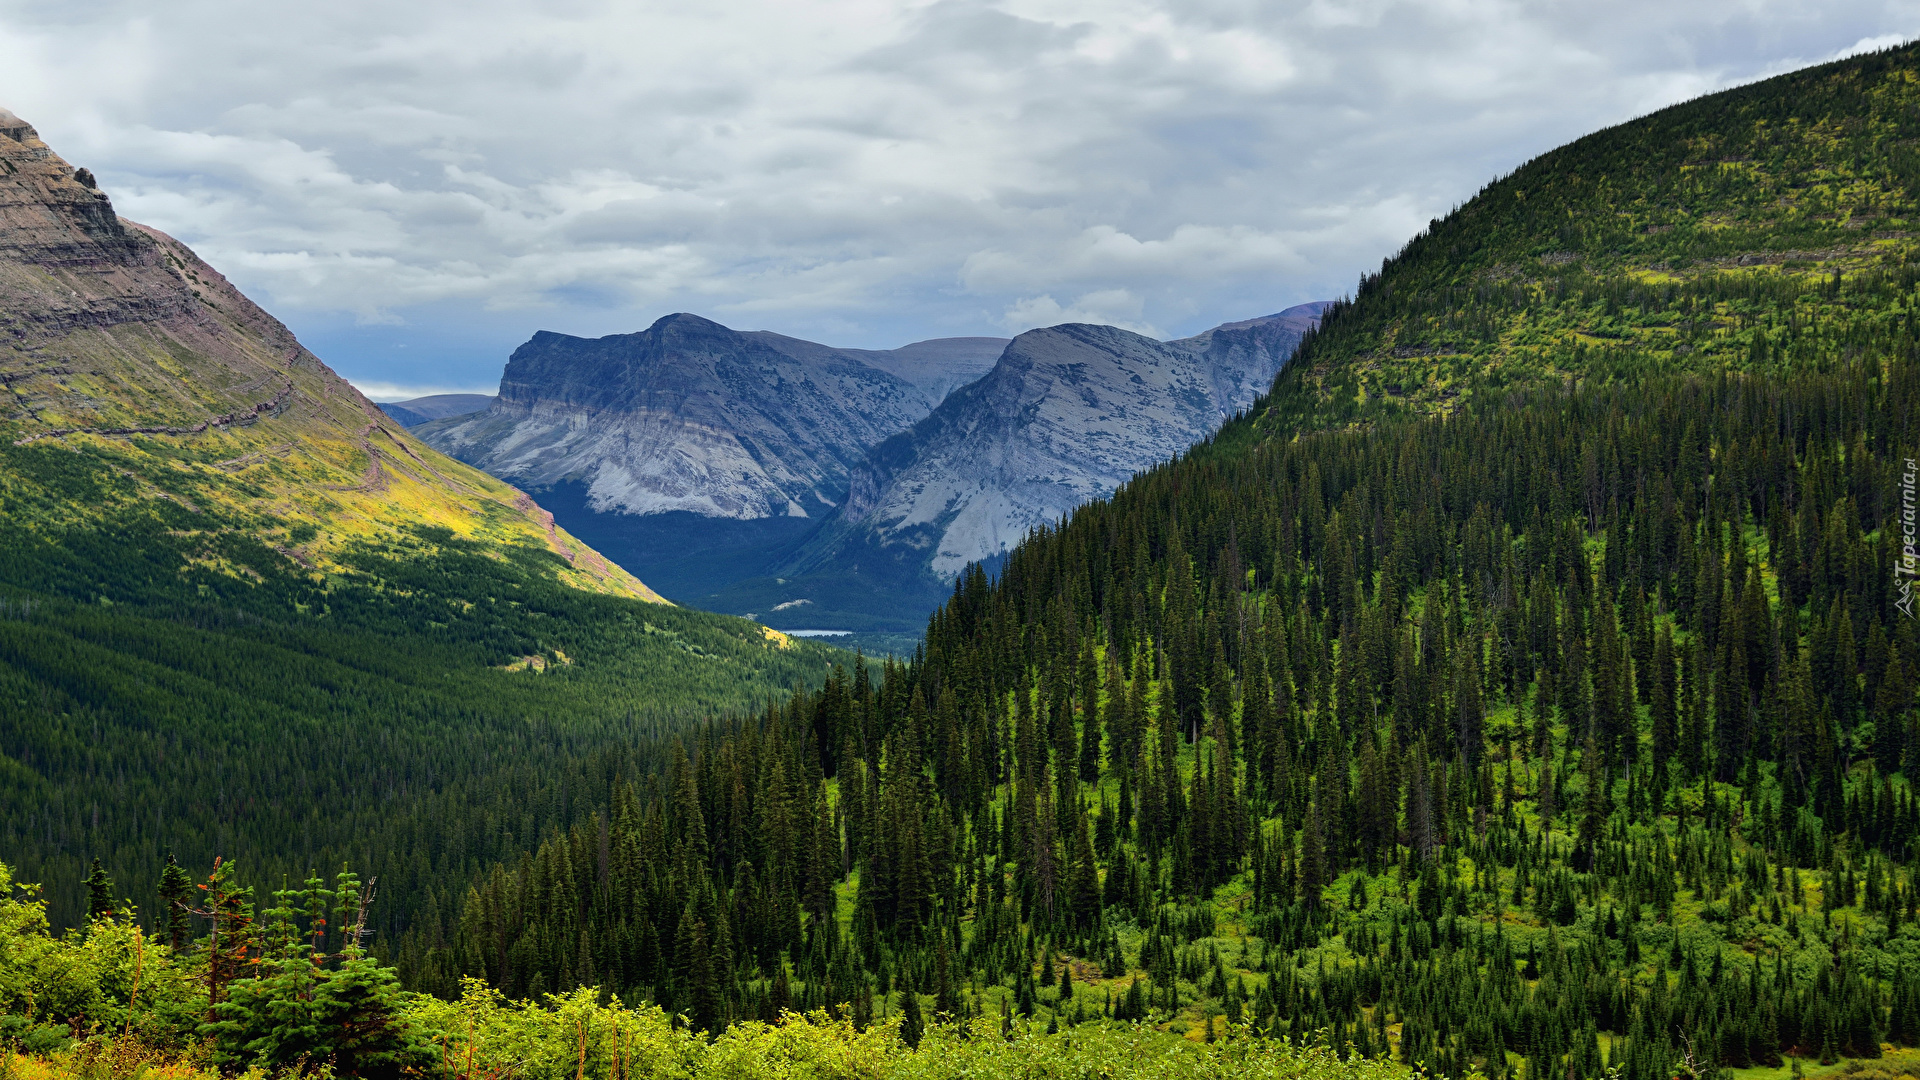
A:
<point x="1067" y="415"/>
<point x="689" y="415"/>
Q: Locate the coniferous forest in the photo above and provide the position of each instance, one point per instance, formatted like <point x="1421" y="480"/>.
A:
<point x="1317" y="739"/>
<point x="1527" y="685"/>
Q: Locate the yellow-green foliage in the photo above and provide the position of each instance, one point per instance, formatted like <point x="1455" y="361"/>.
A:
<point x="801" y="1048"/>
<point x="131" y="1008"/>
<point x="108" y="977"/>
<point x="573" y="1035"/>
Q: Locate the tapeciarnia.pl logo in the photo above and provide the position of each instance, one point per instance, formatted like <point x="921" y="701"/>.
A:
<point x="1909" y="563"/>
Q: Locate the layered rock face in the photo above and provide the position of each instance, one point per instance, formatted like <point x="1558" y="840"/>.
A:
<point x="1067" y="415"/>
<point x="689" y="415"/>
<point x="120" y="345"/>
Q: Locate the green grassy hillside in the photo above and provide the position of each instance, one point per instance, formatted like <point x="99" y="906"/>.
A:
<point x="1767" y="228"/>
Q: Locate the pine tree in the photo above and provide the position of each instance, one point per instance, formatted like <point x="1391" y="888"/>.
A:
<point x="176" y="889"/>
<point x="228" y="909"/>
<point x="1313" y="856"/>
<point x="1469" y="713"/>
<point x="913" y="1026"/>
<point x="1593" y="820"/>
<point x="99" y="894"/>
<point x="1693" y="709"/>
<point x="1665" y="716"/>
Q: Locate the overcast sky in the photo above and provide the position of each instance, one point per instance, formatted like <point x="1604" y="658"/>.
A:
<point x="417" y="186"/>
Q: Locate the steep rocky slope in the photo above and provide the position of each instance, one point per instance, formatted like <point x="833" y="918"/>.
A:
<point x="693" y="452"/>
<point x="1066" y="416"/>
<point x="136" y="373"/>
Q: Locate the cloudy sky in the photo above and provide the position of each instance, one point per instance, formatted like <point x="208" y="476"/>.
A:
<point x="417" y="186"/>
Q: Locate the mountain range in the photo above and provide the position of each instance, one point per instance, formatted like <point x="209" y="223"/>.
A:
<point x="691" y="416"/>
<point x="1067" y="415"/>
<point x="814" y="486"/>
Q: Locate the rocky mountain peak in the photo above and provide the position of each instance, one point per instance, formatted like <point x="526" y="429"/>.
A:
<point x="1068" y="415"/>
<point x="687" y="415"/>
<point x="51" y="214"/>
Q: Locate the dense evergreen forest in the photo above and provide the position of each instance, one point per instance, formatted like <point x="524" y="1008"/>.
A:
<point x="422" y="716"/>
<point x="1389" y="732"/>
<point x="1527" y="684"/>
<point x="1521" y="685"/>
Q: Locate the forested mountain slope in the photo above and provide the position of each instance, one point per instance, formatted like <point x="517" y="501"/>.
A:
<point x="1524" y="686"/>
<point x="244" y="613"/>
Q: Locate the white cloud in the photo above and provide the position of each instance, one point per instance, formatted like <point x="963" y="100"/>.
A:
<point x="1871" y="44"/>
<point x="867" y="172"/>
<point x="1114" y="307"/>
<point x="388" y="392"/>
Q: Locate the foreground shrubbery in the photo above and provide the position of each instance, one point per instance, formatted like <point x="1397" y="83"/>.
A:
<point x="265" y="997"/>
<point x="546" y="1042"/>
<point x="485" y="1035"/>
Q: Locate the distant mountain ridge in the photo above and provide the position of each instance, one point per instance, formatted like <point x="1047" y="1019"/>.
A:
<point x="689" y="415"/>
<point x="1067" y="415"/>
<point x="424" y="410"/>
<point x="935" y="367"/>
<point x="747" y="471"/>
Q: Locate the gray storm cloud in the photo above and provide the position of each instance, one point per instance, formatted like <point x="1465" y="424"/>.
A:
<point x="855" y="171"/>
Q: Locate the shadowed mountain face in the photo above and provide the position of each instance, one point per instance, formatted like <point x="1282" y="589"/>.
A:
<point x="935" y="368"/>
<point x="139" y="384"/>
<point x="687" y="416"/>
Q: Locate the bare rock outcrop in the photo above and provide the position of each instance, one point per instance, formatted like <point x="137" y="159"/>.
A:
<point x="1068" y="414"/>
<point x="689" y="415"/>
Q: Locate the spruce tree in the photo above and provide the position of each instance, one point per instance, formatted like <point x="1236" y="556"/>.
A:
<point x="913" y="1026"/>
<point x="99" y="894"/>
<point x="176" y="889"/>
